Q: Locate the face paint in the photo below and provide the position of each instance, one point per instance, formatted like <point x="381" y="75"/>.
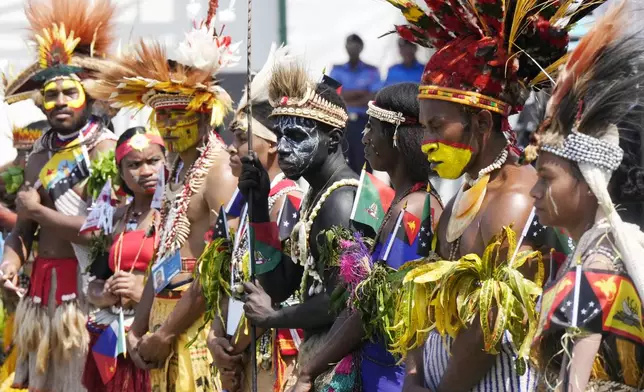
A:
<point x="449" y="160"/>
<point x="299" y="146"/>
<point x="179" y="129"/>
<point x="72" y="91"/>
<point x="551" y="199"/>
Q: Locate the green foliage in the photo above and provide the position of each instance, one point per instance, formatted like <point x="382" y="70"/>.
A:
<point x="102" y="169"/>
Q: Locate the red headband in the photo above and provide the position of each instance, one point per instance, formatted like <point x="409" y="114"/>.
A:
<point x="138" y="142"/>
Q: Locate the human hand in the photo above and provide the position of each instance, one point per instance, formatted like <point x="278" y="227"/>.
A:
<point x="109" y="298"/>
<point x="132" y="342"/>
<point x="258" y="306"/>
<point x="9" y="278"/>
<point x="303" y="384"/>
<point x="27" y="200"/>
<point x="125" y="284"/>
<point x="255" y="178"/>
<point x="155" y="348"/>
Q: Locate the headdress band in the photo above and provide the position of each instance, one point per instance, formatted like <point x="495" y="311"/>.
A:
<point x="395" y="118"/>
<point x="311" y="106"/>
<point x="582" y="148"/>
<point x="138" y="142"/>
<point x="465" y="98"/>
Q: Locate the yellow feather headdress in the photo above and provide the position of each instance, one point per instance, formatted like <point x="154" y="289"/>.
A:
<point x="72" y="37"/>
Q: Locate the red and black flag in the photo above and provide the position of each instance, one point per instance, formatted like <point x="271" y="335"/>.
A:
<point x="288" y="216"/>
<point x="426" y="233"/>
<point x="596" y="301"/>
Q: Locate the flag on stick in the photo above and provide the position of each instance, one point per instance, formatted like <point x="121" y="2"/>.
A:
<point x="373" y="200"/>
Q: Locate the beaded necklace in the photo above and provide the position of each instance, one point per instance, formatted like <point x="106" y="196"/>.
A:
<point x="300" y="252"/>
<point x="174" y="218"/>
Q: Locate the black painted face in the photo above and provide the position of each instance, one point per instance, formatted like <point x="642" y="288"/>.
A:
<point x="302" y="147"/>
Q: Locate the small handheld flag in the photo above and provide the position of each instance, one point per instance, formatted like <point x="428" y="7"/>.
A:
<point x="157" y="199"/>
<point x="107" y="348"/>
<point x="426" y="235"/>
<point x="102" y="212"/>
<point x="236" y="204"/>
<point x="289" y="215"/>
<point x="401" y="243"/>
<point x="373" y="200"/>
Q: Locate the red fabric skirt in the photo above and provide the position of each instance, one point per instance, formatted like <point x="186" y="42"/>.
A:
<point x="128" y="378"/>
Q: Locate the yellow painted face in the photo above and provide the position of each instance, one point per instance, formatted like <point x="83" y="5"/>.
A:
<point x="449" y="160"/>
<point x="69" y="92"/>
<point x="178" y="128"/>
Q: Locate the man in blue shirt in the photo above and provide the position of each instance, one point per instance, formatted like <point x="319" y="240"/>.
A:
<point x="360" y="82"/>
<point x="410" y="70"/>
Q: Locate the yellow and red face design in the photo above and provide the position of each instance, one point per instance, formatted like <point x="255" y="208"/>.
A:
<point x="64" y="102"/>
<point x="449" y="160"/>
<point x="178" y="128"/>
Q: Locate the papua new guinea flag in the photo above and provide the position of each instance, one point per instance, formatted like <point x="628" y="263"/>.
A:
<point x="220" y="229"/>
<point x="289" y="215"/>
<point x="372" y="202"/>
<point x="401" y="245"/>
<point x="426" y="233"/>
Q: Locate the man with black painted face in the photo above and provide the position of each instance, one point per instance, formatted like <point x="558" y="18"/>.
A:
<point x="53" y="341"/>
<point x="310" y="120"/>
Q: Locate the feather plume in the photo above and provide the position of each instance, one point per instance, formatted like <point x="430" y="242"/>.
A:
<point x="202" y="49"/>
<point x="277" y="57"/>
<point x="289" y="80"/>
<point x="92" y="24"/>
<point x="212" y="12"/>
<point x="606" y="30"/>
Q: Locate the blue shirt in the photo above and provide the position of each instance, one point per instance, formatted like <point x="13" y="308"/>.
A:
<point x="363" y="77"/>
<point x="401" y="73"/>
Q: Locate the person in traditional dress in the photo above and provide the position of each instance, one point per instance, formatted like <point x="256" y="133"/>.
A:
<point x="392" y="142"/>
<point x="487" y="55"/>
<point x="591" y="336"/>
<point x="119" y="279"/>
<point x="25" y="134"/>
<point x="188" y="106"/>
<point x="277" y="349"/>
<point x="72" y="40"/>
<point x="310" y="118"/>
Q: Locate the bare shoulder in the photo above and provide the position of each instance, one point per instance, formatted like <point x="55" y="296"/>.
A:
<point x="102" y="147"/>
<point x="415" y="203"/>
<point x="509" y="201"/>
<point x="220" y="183"/>
<point x="339" y="204"/>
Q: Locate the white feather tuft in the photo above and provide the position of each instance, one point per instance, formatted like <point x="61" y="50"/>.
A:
<point x="201" y="49"/>
<point x="259" y="86"/>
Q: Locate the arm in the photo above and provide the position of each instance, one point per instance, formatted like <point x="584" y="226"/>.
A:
<point x="580" y="366"/>
<point x="467" y="350"/>
<point x="346" y="336"/>
<point x="141" y="323"/>
<point x="8" y="218"/>
<point x="66" y="227"/>
<point x="414" y="374"/>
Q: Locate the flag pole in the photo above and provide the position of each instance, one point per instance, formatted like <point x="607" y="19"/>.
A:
<point x="251" y="253"/>
<point x="394" y="233"/>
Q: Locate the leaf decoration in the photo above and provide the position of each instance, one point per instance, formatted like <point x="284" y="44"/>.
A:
<point x="449" y="295"/>
<point x="102" y="169"/>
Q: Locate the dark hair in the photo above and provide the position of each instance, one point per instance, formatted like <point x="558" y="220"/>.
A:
<point x="262" y="112"/>
<point x="124" y="138"/>
<point x="613" y="96"/>
<point x="402" y="98"/>
<point x="356" y="39"/>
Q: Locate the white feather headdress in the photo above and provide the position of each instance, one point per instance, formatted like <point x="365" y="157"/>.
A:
<point x="278" y="56"/>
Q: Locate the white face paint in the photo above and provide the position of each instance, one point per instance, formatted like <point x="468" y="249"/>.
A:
<point x="551" y="199"/>
<point x="301" y="145"/>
